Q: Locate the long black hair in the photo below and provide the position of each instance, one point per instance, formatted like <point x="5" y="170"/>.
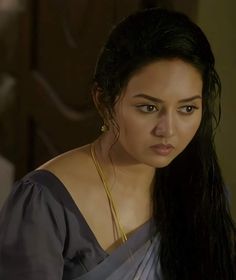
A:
<point x="191" y="207"/>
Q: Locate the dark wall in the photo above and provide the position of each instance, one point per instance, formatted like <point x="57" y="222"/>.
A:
<point x="48" y="55"/>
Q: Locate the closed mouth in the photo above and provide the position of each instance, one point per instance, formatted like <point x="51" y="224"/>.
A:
<point x="162" y="149"/>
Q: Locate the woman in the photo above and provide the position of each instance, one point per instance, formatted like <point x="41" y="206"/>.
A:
<point x="146" y="200"/>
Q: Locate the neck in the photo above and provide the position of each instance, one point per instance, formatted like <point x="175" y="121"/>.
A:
<point x="122" y="170"/>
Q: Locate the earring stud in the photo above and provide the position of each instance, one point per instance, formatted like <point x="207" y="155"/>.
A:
<point x="104" y="128"/>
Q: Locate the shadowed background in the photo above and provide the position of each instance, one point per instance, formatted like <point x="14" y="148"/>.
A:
<point x="48" y="50"/>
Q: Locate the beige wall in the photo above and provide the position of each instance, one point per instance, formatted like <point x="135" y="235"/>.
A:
<point x="218" y="20"/>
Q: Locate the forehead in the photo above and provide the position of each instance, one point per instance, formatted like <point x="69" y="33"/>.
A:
<point x="164" y="79"/>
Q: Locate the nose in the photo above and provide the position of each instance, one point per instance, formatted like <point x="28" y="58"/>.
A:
<point x="165" y="125"/>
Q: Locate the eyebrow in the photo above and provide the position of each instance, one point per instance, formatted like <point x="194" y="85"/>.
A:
<point x="157" y="100"/>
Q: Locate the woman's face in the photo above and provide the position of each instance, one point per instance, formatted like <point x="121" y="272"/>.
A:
<point x="159" y="112"/>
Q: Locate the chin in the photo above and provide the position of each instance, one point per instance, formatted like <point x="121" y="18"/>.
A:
<point x="161" y="163"/>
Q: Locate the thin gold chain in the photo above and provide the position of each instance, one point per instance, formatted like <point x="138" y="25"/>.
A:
<point x="109" y="196"/>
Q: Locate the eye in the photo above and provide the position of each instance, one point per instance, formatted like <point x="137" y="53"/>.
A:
<point x="147" y="108"/>
<point x="188" y="109"/>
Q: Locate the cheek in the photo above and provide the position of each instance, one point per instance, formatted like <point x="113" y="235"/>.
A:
<point x="188" y="130"/>
<point x="132" y="129"/>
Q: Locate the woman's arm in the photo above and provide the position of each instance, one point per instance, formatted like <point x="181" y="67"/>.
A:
<point x="32" y="234"/>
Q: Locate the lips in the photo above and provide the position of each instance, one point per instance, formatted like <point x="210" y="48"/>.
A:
<point x="162" y="149"/>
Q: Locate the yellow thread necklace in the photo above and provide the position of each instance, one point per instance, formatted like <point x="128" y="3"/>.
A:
<point x="106" y="186"/>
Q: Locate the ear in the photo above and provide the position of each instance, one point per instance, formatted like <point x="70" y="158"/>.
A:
<point x="97" y="93"/>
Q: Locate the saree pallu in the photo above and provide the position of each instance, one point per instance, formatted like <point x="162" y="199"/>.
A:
<point x="136" y="259"/>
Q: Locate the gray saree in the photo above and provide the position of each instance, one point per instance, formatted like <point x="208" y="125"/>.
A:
<point x="136" y="259"/>
<point x="43" y="235"/>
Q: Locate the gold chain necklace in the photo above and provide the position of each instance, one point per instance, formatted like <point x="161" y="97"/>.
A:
<point x="107" y="188"/>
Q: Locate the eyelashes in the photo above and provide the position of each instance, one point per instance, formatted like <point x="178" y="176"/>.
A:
<point x="147" y="108"/>
<point x="187" y="109"/>
<point x="150" y="108"/>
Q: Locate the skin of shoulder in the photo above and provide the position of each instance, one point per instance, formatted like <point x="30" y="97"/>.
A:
<point x="75" y="170"/>
<point x="64" y="165"/>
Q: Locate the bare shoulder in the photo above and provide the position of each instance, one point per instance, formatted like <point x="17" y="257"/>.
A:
<point x="75" y="170"/>
<point x="67" y="161"/>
